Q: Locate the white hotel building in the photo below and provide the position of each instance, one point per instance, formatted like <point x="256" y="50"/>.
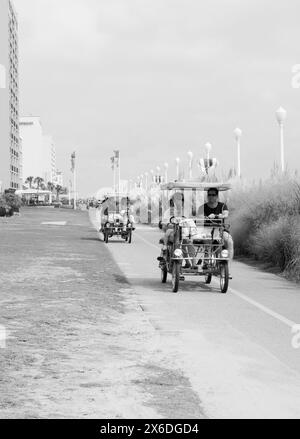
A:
<point x="39" y="154"/>
<point x="10" y="145"/>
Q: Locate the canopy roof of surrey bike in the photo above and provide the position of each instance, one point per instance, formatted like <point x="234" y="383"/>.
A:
<point x="222" y="187"/>
<point x="32" y="192"/>
<point x="114" y="196"/>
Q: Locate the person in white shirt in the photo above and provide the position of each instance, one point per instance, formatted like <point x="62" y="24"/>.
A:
<point x="189" y="228"/>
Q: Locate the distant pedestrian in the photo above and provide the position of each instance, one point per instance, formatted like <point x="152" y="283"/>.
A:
<point x="9" y="212"/>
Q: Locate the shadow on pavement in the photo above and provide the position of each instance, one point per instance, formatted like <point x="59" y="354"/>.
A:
<point x="91" y="239"/>
<point x="185" y="286"/>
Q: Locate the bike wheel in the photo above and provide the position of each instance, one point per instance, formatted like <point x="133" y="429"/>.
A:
<point x="208" y="278"/>
<point x="175" y="277"/>
<point x="129" y="237"/>
<point x="224" y="277"/>
<point x="164" y="275"/>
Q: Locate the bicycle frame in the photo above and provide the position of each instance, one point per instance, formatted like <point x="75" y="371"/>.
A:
<point x="210" y="250"/>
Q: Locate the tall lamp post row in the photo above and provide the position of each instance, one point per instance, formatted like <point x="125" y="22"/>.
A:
<point x="156" y="176"/>
<point x="281" y="115"/>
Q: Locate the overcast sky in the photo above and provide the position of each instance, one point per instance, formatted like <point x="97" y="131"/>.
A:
<point x="157" y="78"/>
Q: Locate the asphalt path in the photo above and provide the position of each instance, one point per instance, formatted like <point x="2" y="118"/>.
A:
<point x="240" y="351"/>
<point x="91" y="331"/>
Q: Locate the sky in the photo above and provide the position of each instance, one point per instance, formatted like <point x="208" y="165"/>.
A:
<point x="158" y="78"/>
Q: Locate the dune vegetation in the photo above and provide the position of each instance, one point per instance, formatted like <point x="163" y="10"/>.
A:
<point x="265" y="220"/>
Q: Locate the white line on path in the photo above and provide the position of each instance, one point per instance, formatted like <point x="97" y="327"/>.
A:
<point x="147" y="242"/>
<point x="55" y="223"/>
<point x="263" y="308"/>
<point x="242" y="296"/>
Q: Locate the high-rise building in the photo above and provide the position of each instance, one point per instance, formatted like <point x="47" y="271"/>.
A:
<point x="39" y="154"/>
<point x="31" y="133"/>
<point x="59" y="178"/>
<point x="50" y="159"/>
<point x="10" y="145"/>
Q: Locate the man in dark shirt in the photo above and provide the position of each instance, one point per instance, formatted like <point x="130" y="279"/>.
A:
<point x="214" y="209"/>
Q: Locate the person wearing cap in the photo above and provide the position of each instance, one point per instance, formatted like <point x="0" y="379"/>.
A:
<point x="176" y="210"/>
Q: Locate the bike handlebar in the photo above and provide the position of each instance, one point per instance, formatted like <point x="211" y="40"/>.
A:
<point x="215" y="222"/>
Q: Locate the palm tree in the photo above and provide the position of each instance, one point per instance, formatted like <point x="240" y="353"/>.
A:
<point x="59" y="190"/>
<point x="29" y="181"/>
<point x="38" y="181"/>
<point x="50" y="187"/>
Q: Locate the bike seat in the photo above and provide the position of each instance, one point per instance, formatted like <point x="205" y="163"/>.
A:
<point x="202" y="241"/>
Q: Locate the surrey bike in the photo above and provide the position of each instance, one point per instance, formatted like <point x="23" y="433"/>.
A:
<point x="116" y="221"/>
<point x="195" y="246"/>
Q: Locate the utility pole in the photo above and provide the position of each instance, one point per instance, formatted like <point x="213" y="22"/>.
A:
<point x="70" y="189"/>
<point x="119" y="173"/>
<point x="73" y="159"/>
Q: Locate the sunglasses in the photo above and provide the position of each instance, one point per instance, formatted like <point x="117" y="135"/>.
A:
<point x="212" y="195"/>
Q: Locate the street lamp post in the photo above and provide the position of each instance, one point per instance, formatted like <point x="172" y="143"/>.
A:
<point x="152" y="175"/>
<point x="281" y="117"/>
<point x="208" y="148"/>
<point x="177" y="168"/>
<point x="208" y="164"/>
<point x="166" y="166"/>
<point x="158" y="170"/>
<point x="238" y="134"/>
<point x="191" y="157"/>
<point x="146" y="180"/>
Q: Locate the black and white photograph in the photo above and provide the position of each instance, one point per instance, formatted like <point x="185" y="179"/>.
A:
<point x="149" y="213"/>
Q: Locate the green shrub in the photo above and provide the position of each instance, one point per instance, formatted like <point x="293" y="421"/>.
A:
<point x="293" y="267"/>
<point x="275" y="242"/>
<point x="10" y="200"/>
<point x="265" y="222"/>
